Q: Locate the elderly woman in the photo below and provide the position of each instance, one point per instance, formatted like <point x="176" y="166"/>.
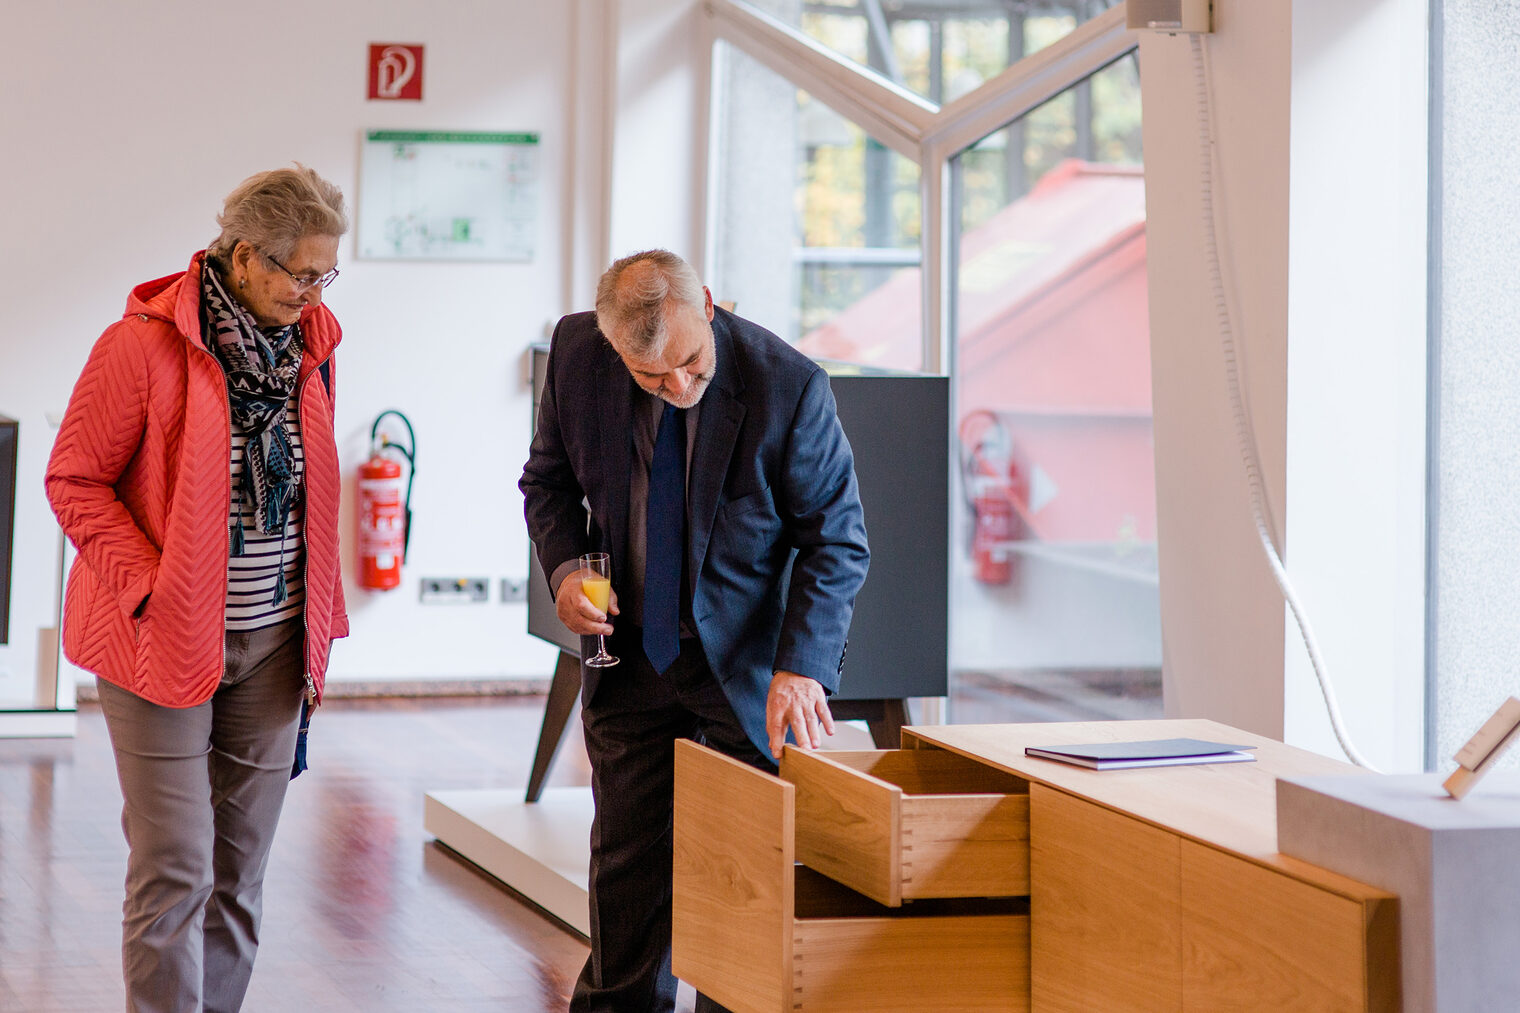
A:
<point x="197" y="475"/>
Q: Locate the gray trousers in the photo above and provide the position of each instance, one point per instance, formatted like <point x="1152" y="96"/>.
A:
<point x="202" y="789"/>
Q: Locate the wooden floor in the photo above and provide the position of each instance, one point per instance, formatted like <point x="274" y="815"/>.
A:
<point x="363" y="911"/>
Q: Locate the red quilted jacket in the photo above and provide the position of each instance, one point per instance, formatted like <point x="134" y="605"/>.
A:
<point x="140" y="481"/>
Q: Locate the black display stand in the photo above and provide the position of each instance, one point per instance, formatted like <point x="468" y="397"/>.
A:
<point x="898" y="426"/>
<point x="885" y="719"/>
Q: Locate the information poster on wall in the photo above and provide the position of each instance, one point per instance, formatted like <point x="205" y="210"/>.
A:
<point x="448" y="195"/>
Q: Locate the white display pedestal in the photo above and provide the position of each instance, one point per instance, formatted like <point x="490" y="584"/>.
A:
<point x="54" y="713"/>
<point x="37" y="724"/>
<point x="1452" y="864"/>
<point x="540" y="849"/>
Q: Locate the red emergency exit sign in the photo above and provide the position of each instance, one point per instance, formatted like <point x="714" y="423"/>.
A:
<point x="395" y="71"/>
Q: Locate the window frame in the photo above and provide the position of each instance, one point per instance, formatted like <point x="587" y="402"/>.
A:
<point x="916" y="128"/>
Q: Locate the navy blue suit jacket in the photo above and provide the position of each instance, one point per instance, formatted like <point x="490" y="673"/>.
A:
<point x="776" y="538"/>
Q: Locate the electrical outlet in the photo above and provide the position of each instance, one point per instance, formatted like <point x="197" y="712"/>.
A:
<point x="513" y="590"/>
<point x="454" y="590"/>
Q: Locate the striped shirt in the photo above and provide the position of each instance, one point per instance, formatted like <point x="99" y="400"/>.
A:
<point x="252" y="577"/>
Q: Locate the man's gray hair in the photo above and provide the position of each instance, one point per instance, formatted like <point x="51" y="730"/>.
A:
<point x="273" y="211"/>
<point x="631" y="311"/>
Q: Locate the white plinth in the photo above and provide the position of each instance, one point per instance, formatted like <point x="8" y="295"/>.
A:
<point x="540" y="849"/>
<point x="38" y="724"/>
<point x="1453" y="865"/>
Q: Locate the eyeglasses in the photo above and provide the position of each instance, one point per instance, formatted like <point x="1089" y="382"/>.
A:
<point x="304" y="281"/>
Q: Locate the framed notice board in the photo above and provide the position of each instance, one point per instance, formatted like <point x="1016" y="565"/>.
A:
<point x="448" y="195"/>
<point x="8" y="428"/>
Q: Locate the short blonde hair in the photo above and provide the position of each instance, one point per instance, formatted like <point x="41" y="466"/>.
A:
<point x="632" y="315"/>
<point x="273" y="211"/>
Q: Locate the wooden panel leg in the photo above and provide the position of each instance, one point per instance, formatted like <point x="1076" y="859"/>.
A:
<point x="733" y="881"/>
<point x="563" y="692"/>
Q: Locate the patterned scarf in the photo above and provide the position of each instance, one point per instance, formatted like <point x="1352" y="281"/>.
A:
<point x="261" y="367"/>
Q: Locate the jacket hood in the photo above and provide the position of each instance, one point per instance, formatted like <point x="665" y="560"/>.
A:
<point x="154" y="298"/>
<point x="176" y="298"/>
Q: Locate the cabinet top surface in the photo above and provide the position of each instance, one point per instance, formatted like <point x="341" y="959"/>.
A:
<point x="1231" y="806"/>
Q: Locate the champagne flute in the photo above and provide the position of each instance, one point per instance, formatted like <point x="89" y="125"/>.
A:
<point x="596" y="585"/>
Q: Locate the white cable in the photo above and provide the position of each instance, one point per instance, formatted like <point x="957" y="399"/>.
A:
<point x="1244" y="435"/>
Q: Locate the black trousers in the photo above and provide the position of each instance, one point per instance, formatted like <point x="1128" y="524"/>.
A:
<point x="631" y="728"/>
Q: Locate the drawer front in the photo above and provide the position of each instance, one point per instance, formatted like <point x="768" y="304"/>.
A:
<point x="905" y="824"/>
<point x="970" y="964"/>
<point x="1106" y="933"/>
<point x="1285" y="944"/>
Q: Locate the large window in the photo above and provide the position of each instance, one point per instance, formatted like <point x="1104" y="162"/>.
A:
<point x="805" y="190"/>
<point x="1055" y="575"/>
<point x="939" y="49"/>
<point x="1001" y="240"/>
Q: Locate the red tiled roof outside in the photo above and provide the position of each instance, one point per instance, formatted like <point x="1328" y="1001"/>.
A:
<point x="1054" y="338"/>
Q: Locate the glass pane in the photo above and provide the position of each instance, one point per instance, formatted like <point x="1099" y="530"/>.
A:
<point x="938" y="49"/>
<point x="1054" y="589"/>
<point x="812" y="217"/>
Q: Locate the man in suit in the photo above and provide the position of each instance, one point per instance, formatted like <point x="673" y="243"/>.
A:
<point x="719" y="481"/>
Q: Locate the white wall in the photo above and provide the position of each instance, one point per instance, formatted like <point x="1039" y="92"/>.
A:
<point x="1222" y="637"/>
<point x="133" y="123"/>
<point x="1356" y="432"/>
<point x="663" y="63"/>
<point x="139" y="120"/>
<point x="1475" y="550"/>
<point x="1320" y="180"/>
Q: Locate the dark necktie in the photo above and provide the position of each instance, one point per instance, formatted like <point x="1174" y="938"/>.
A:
<point x="665" y="541"/>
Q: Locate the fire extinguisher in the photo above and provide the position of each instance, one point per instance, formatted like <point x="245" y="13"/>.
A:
<point x="989" y="478"/>
<point x="384" y="514"/>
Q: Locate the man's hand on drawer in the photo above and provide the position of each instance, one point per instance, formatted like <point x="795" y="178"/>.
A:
<point x="798" y="703"/>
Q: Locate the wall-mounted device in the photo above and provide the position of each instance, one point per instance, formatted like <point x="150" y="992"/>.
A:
<point x="1170" y="15"/>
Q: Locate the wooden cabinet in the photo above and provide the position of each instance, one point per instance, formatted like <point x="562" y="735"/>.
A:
<point x="761" y="934"/>
<point x="1149" y="890"/>
<point x="1162" y="889"/>
<point x="1128" y="916"/>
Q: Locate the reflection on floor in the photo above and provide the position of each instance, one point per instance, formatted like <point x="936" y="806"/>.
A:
<point x="362" y="912"/>
<point x="979" y="697"/>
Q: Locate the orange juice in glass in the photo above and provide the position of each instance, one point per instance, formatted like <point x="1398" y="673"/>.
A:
<point x="598" y="590"/>
<point x="596" y="585"/>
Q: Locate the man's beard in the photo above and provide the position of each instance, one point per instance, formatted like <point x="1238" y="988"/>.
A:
<point x="693" y="393"/>
<point x="699" y="383"/>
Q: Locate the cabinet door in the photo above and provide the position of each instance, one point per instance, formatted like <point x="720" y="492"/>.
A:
<point x="1105" y="923"/>
<point x="1256" y="939"/>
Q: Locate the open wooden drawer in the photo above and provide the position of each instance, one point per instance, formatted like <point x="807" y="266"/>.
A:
<point x="901" y="824"/>
<point x="759" y="934"/>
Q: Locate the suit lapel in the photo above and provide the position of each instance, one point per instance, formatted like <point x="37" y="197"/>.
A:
<point x="717" y="433"/>
<point x="614" y="394"/>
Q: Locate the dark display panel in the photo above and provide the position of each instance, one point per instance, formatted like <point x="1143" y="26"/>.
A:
<point x="898" y="426"/>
